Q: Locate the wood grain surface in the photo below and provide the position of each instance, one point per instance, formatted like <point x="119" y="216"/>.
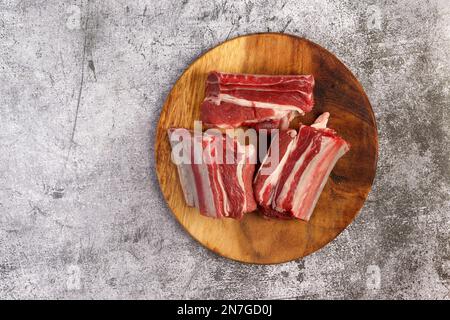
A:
<point x="255" y="239"/>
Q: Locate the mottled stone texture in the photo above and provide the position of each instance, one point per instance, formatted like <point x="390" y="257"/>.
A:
<point x="81" y="87"/>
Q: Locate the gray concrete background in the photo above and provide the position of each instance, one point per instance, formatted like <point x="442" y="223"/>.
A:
<point x="81" y="87"/>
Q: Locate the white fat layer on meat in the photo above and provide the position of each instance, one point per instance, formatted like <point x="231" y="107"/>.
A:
<point x="268" y="89"/>
<point x="304" y="78"/>
<point x="309" y="175"/>
<point x="330" y="167"/>
<point x="246" y="152"/>
<point x="321" y="121"/>
<point x="273" y="178"/>
<point x="278" y="115"/>
<point x="278" y="203"/>
<point x="226" y="201"/>
<point x="240" y="178"/>
<point x="255" y="104"/>
<point x="222" y="126"/>
<point x="319" y="168"/>
<point x="286" y="119"/>
<point x="303" y="93"/>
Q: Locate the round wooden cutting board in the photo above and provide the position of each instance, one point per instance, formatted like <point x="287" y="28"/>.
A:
<point x="255" y="239"/>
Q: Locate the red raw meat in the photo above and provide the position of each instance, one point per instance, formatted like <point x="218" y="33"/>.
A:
<point x="262" y="101"/>
<point x="217" y="187"/>
<point x="291" y="187"/>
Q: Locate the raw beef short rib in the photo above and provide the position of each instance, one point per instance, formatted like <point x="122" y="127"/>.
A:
<point x="290" y="187"/>
<point x="216" y="174"/>
<point x="259" y="101"/>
